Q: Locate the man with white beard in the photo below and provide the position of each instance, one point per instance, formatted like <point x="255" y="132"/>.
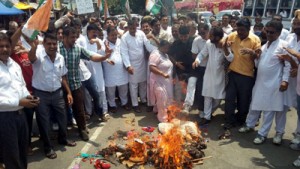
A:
<point x="132" y="52"/>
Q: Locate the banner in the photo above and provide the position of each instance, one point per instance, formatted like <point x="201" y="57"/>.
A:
<point x="84" y="6"/>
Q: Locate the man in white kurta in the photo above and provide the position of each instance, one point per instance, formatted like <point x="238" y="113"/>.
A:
<point x="289" y="96"/>
<point x="94" y="44"/>
<point x="115" y="75"/>
<point x="271" y="81"/>
<point x="214" y="77"/>
<point x="132" y="52"/>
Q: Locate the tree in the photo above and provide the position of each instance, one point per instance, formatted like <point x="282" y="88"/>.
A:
<point x="136" y="6"/>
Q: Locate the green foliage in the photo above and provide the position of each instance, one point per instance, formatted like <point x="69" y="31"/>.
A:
<point x="136" y="6"/>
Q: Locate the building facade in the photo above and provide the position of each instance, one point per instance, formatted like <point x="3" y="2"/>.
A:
<point x="267" y="8"/>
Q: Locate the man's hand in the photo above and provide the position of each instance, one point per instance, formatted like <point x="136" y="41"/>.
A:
<point x="92" y="41"/>
<point x="70" y="99"/>
<point x="290" y="51"/>
<point x="108" y="50"/>
<point x="29" y="102"/>
<point x="70" y="15"/>
<point x="195" y="64"/>
<point x="150" y="36"/>
<point x="226" y="43"/>
<point x="258" y="53"/>
<point x="110" y="62"/>
<point x="33" y="43"/>
<point x="130" y="70"/>
<point x="179" y="65"/>
<point x="283" y="86"/>
<point x="284" y="57"/>
<point x="293" y="72"/>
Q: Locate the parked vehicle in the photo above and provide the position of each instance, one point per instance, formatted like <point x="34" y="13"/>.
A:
<point x="235" y="12"/>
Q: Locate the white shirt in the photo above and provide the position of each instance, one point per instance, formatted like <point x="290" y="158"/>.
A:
<point x="284" y="33"/>
<point x="214" y="76"/>
<point x="115" y="75"/>
<point x="132" y="51"/>
<point x="270" y="73"/>
<point x="47" y="75"/>
<point x="95" y="67"/>
<point x="227" y="30"/>
<point x="12" y="86"/>
<point x="84" y="72"/>
<point x="197" y="46"/>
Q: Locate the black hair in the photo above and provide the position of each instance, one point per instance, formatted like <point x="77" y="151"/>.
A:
<point x="163" y="15"/>
<point x="92" y="27"/>
<point x="259" y="25"/>
<point x="163" y="43"/>
<point x="205" y="26"/>
<point x="244" y="22"/>
<point x="50" y="35"/>
<point x="228" y="15"/>
<point x="193" y="16"/>
<point x="277" y="25"/>
<point x="69" y="30"/>
<point x="154" y="21"/>
<point x="110" y="29"/>
<point x="217" y="32"/>
<point x="277" y="15"/>
<point x="108" y="19"/>
<point x="184" y="30"/>
<point x="145" y="21"/>
<point x="4" y="36"/>
<point x="131" y="22"/>
<point x="76" y="22"/>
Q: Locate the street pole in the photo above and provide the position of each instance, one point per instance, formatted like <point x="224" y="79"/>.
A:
<point x="197" y="6"/>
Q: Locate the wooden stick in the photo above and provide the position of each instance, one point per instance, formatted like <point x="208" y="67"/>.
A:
<point x="203" y="158"/>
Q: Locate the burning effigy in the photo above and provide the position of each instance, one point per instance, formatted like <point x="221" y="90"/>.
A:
<point x="176" y="144"/>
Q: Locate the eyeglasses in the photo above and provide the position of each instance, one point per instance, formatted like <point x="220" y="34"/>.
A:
<point x="202" y="33"/>
<point x="270" y="32"/>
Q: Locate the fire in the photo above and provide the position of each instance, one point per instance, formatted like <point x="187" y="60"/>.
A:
<point x="173" y="112"/>
<point x="171" y="150"/>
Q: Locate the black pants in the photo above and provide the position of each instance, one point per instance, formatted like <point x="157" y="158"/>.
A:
<point x="13" y="139"/>
<point x="29" y="117"/>
<point x="238" y="95"/>
<point x="51" y="101"/>
<point x="199" y="99"/>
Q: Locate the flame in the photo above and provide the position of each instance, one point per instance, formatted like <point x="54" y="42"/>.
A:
<point x="173" y="112"/>
<point x="170" y="149"/>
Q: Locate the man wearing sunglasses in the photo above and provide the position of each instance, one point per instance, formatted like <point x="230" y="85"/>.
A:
<point x="271" y="82"/>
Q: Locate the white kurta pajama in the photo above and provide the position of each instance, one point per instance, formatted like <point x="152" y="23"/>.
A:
<point x="132" y="52"/>
<point x="213" y="88"/>
<point x="290" y="95"/>
<point x="115" y="76"/>
<point x="97" y="72"/>
<point x="266" y="95"/>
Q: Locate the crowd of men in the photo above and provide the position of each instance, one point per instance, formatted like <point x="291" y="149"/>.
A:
<point x="79" y="66"/>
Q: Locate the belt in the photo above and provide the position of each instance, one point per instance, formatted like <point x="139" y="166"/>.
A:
<point x="18" y="112"/>
<point x="47" y="91"/>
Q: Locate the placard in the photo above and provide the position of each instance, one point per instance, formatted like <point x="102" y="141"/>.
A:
<point x="84" y="6"/>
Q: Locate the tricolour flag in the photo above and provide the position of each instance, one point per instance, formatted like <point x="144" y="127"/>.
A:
<point x="9" y="3"/>
<point x="39" y="21"/>
<point x="102" y="5"/>
<point x="153" y="6"/>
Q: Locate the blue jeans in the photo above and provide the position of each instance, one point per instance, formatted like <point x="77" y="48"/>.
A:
<point x="91" y="87"/>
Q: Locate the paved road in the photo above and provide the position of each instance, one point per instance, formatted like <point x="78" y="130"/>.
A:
<point x="238" y="152"/>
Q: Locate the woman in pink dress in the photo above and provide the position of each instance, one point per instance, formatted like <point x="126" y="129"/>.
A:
<point x="161" y="87"/>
